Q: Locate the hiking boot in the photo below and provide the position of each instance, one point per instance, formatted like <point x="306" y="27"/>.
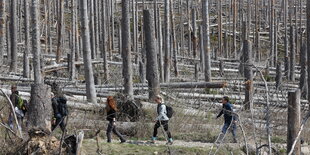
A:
<point x="220" y="138"/>
<point x="123" y="140"/>
<point x="153" y="140"/>
<point x="170" y="141"/>
<point x="235" y="140"/>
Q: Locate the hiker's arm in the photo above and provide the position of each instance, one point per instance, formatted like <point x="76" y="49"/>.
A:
<point x="220" y="114"/>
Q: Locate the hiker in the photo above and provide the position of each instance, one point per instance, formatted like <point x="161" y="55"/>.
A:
<point x="161" y="119"/>
<point x="229" y="119"/>
<point x="60" y="111"/>
<point x="19" y="108"/>
<point x="111" y="110"/>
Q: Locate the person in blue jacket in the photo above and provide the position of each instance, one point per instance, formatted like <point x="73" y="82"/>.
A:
<point x="230" y="119"/>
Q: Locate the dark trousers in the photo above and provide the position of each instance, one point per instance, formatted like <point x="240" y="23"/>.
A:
<point x="59" y="121"/>
<point x="165" y="125"/>
<point x="232" y="128"/>
<point x="112" y="127"/>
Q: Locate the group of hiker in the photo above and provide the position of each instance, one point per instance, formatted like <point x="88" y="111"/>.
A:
<point x="164" y="113"/>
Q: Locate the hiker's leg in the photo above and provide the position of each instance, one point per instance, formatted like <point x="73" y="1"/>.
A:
<point x="10" y="121"/>
<point x="120" y="136"/>
<point x="157" y="125"/>
<point x="62" y="124"/>
<point x="166" y="128"/>
<point x="109" y="130"/>
<point x="225" y="127"/>
<point x="233" y="131"/>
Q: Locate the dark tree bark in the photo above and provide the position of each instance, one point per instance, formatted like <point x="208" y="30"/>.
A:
<point x="2" y="30"/>
<point x="151" y="55"/>
<point x="279" y="75"/>
<point x="247" y="54"/>
<point x="293" y="120"/>
<point x="308" y="44"/>
<point x="206" y="39"/>
<point x="74" y="40"/>
<point x="90" y="86"/>
<point x="286" y="62"/>
<point x="13" y="36"/>
<point x="303" y="75"/>
<point x="126" y="55"/>
<point x="292" y="54"/>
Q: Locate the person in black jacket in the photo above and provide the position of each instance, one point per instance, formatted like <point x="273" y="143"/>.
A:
<point x="59" y="105"/>
<point x="229" y="119"/>
<point x="111" y="117"/>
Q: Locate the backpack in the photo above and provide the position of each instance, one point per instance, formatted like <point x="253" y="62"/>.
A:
<point x="170" y="111"/>
<point x="21" y="104"/>
<point x="62" y="106"/>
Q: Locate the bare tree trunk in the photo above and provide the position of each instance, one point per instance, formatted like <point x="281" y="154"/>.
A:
<point x="202" y="54"/>
<point x="36" y="46"/>
<point x="13" y="37"/>
<point x="40" y="109"/>
<point x="219" y="51"/>
<point x="271" y="35"/>
<point x="74" y="41"/>
<point x="2" y="30"/>
<point x="257" y="29"/>
<point x="167" y="43"/>
<point x="292" y="54"/>
<point x="303" y="71"/>
<point x="308" y="45"/>
<point x="104" y="50"/>
<point x="60" y="30"/>
<point x="27" y="43"/>
<point x="279" y="75"/>
<point x="286" y="63"/>
<point x="151" y="63"/>
<point x="160" y="49"/>
<point x="92" y="29"/>
<point x="173" y="37"/>
<point x="194" y="35"/>
<point x="247" y="54"/>
<point x="206" y="39"/>
<point x="293" y="120"/>
<point x="90" y="86"/>
<point x="126" y="55"/>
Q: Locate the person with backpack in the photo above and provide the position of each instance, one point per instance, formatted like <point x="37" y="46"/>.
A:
<point x="60" y="110"/>
<point x="19" y="108"/>
<point x="162" y="119"/>
<point x="229" y="119"/>
<point x="111" y="109"/>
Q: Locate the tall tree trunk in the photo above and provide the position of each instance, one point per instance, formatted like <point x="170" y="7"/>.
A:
<point x="174" y="43"/>
<point x="235" y="28"/>
<point x="36" y="46"/>
<point x="27" y="43"/>
<point x="206" y="39"/>
<point x="2" y="30"/>
<point x="292" y="54"/>
<point x="167" y="43"/>
<point x="126" y="55"/>
<point x="247" y="57"/>
<point x="92" y="29"/>
<point x="13" y="37"/>
<point x="104" y="50"/>
<point x="308" y="45"/>
<point x="151" y="63"/>
<point x="303" y="71"/>
<point x="74" y="41"/>
<point x="60" y="30"/>
<point x="90" y="86"/>
<point x="160" y="48"/>
<point x="219" y="51"/>
<point x="286" y="59"/>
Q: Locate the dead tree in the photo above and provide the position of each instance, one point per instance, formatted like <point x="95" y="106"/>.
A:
<point x="126" y="55"/>
<point x="292" y="54"/>
<point x="104" y="51"/>
<point x="173" y="40"/>
<point x="2" y="29"/>
<point x="206" y="39"/>
<point x="151" y="55"/>
<point x="219" y="51"/>
<point x="90" y="85"/>
<point x="303" y="71"/>
<point x="234" y="46"/>
<point x="308" y="44"/>
<point x="74" y="40"/>
<point x="167" y="59"/>
<point x="279" y="75"/>
<point x="286" y="59"/>
<point x="160" y="48"/>
<point x="36" y="46"/>
<point x="26" y="69"/>
<point x="248" y="73"/>
<point x="13" y="36"/>
<point x="272" y="60"/>
<point x="60" y="30"/>
<point x="293" y="120"/>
